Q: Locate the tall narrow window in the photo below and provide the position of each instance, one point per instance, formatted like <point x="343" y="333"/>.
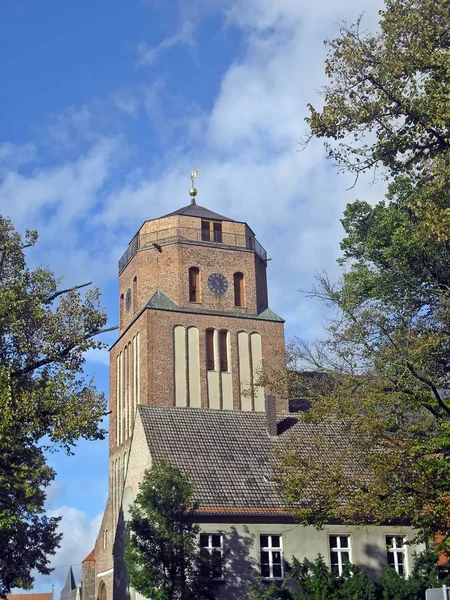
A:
<point x="396" y="550"/>
<point x="223" y="350"/>
<point x="239" y="299"/>
<point x="211" y="551"/>
<point x="271" y="557"/>
<point x="217" y="231"/>
<point x="205" y="231"/>
<point x="194" y="284"/>
<point x="135" y="304"/>
<point x="121" y="309"/>
<point x="339" y="553"/>
<point x="210" y="362"/>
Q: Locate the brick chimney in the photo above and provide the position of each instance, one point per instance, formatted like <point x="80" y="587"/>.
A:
<point x="271" y="415"/>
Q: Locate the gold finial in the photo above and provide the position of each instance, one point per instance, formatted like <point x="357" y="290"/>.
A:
<point x="193" y="191"/>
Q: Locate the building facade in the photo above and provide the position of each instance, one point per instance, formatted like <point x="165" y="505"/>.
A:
<point x="195" y="330"/>
<point x="195" y="335"/>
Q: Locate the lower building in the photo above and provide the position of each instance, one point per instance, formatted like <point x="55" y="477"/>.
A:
<point x="228" y="455"/>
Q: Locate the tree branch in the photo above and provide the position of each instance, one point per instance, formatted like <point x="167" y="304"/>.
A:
<point x="61" y="355"/>
<point x="60" y="292"/>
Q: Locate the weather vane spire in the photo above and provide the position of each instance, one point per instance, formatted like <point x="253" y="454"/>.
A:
<point x="193" y="191"/>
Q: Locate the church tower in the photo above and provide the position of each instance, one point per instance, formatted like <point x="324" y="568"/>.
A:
<point x="195" y="330"/>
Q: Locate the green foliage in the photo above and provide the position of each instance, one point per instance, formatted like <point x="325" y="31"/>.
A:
<point x="45" y="402"/>
<point x="393" y="85"/>
<point x="388" y="350"/>
<point x="162" y="553"/>
<point x="313" y="581"/>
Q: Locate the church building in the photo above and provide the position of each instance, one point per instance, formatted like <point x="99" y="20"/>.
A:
<point x="195" y="333"/>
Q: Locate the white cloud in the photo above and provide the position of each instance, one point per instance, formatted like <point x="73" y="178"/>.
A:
<point x="79" y="535"/>
<point x="148" y="55"/>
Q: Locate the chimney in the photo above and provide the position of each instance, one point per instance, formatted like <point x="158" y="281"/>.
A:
<point x="271" y="415"/>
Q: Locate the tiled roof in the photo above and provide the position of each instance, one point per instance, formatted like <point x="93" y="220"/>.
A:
<point x="160" y="301"/>
<point x="90" y="556"/>
<point x="194" y="210"/>
<point x="228" y="453"/>
<point x="30" y="596"/>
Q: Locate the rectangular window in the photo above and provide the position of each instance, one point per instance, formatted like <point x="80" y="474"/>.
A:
<point x="205" y="231"/>
<point x="396" y="553"/>
<point x="194" y="284"/>
<point x="211" y="552"/>
<point x="339" y="553"/>
<point x="212" y="231"/>
<point x="223" y="350"/>
<point x="238" y="280"/>
<point x="210" y="362"/>
<point x="271" y="557"/>
<point x="217" y="230"/>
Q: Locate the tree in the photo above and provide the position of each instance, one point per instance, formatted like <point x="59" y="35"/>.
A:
<point x="46" y="403"/>
<point x="387" y="102"/>
<point x="162" y="549"/>
<point x="387" y="351"/>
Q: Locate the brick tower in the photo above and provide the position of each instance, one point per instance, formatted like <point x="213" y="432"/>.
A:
<point x="195" y="330"/>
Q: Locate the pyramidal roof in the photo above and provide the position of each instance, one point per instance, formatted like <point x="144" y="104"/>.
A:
<point x="194" y="210"/>
<point x="69" y="590"/>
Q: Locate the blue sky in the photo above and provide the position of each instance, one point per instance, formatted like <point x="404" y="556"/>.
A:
<point x="106" y="106"/>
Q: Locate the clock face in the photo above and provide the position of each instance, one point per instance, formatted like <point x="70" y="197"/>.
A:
<point x="128" y="299"/>
<point x="217" y="284"/>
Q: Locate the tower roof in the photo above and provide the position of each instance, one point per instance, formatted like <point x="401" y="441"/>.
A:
<point x="69" y="590"/>
<point x="194" y="210"/>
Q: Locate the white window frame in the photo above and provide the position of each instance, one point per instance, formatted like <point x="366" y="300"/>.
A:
<point x="340" y="550"/>
<point x="210" y="548"/>
<point x="396" y="550"/>
<point x="270" y="549"/>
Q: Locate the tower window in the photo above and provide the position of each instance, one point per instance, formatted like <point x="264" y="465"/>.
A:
<point x="212" y="231"/>
<point x="223" y="350"/>
<point x="121" y="307"/>
<point x="194" y="284"/>
<point x="135" y="294"/>
<point x="210" y="362"/>
<point x="239" y="296"/>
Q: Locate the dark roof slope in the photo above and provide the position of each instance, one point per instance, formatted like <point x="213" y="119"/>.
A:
<point x="228" y="453"/>
<point x="194" y="210"/>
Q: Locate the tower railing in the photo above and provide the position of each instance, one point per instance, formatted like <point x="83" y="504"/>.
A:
<point x="189" y="235"/>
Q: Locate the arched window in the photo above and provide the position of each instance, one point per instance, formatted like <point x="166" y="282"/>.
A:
<point x="223" y="350"/>
<point x="102" y="591"/>
<point x="121" y="307"/>
<point x="239" y="292"/>
<point x="210" y="358"/>
<point x="194" y="284"/>
<point x="135" y="304"/>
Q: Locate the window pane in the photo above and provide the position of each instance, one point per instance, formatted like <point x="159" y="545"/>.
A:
<point x="265" y="570"/>
<point x="333" y="541"/>
<point x="215" y="541"/>
<point x="264" y="558"/>
<point x="401" y="570"/>
<point x="275" y="541"/>
<point x="203" y="540"/>
<point x="264" y="541"/>
<point x="335" y="570"/>
<point x="277" y="571"/>
<point x="334" y="558"/>
<point x="389" y="541"/>
<point x="344" y="541"/>
<point x="276" y="557"/>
